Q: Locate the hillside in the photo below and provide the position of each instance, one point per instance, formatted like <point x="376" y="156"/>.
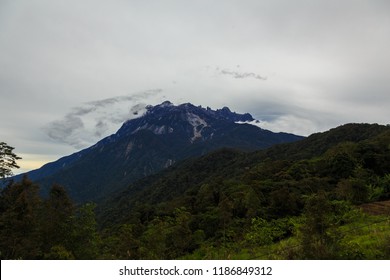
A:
<point x="322" y="159"/>
<point x="228" y="195"/>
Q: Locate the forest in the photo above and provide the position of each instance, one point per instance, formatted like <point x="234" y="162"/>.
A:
<point x="312" y="199"/>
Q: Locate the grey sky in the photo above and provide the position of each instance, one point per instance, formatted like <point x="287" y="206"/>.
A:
<point x="72" y="71"/>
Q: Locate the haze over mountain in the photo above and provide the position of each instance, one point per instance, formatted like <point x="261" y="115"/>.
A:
<point x="164" y="135"/>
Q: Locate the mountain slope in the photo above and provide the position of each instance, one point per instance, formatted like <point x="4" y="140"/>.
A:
<point x="164" y="135"/>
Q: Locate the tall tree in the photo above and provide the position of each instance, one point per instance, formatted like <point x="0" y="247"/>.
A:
<point x="19" y="224"/>
<point x="7" y="160"/>
<point x="319" y="237"/>
<point x="57" y="220"/>
<point x="85" y="237"/>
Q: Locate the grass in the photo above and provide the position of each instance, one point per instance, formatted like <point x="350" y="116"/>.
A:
<point x="366" y="237"/>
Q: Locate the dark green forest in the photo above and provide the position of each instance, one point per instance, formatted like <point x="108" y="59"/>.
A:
<point x="309" y="199"/>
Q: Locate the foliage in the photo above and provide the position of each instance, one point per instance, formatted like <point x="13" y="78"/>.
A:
<point x="20" y="207"/>
<point x="7" y="160"/>
<point x="318" y="233"/>
<point x="263" y="232"/>
<point x="51" y="228"/>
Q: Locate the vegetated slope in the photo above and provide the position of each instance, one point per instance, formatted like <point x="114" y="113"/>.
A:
<point x="319" y="143"/>
<point x="350" y="162"/>
<point x="163" y="136"/>
<point x="297" y="197"/>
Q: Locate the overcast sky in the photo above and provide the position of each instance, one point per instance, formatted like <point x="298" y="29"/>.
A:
<point x="72" y="71"/>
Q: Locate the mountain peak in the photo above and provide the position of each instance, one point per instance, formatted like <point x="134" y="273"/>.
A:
<point x="185" y="120"/>
<point x="224" y="113"/>
<point x="166" y="104"/>
<point x="227" y="113"/>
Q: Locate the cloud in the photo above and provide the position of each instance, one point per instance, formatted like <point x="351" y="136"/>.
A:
<point x="63" y="130"/>
<point x="324" y="61"/>
<point x="88" y="123"/>
<point x="290" y="123"/>
<point x="241" y="75"/>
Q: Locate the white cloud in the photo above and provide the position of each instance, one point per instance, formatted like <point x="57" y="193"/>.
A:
<point x="240" y="75"/>
<point x="90" y="122"/>
<point x="290" y="123"/>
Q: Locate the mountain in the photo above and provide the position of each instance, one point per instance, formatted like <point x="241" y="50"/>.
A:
<point x="163" y="136"/>
<point x="299" y="200"/>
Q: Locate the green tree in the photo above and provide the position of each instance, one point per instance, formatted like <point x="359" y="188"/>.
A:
<point x="319" y="237"/>
<point x="262" y="232"/>
<point x="59" y="252"/>
<point x="57" y="222"/>
<point x="179" y="238"/>
<point x="283" y="202"/>
<point x="85" y="240"/>
<point x="341" y="160"/>
<point x="169" y="237"/>
<point x="353" y="190"/>
<point x="7" y="160"/>
<point x="122" y="242"/>
<point x="154" y="239"/>
<point x="20" y="206"/>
